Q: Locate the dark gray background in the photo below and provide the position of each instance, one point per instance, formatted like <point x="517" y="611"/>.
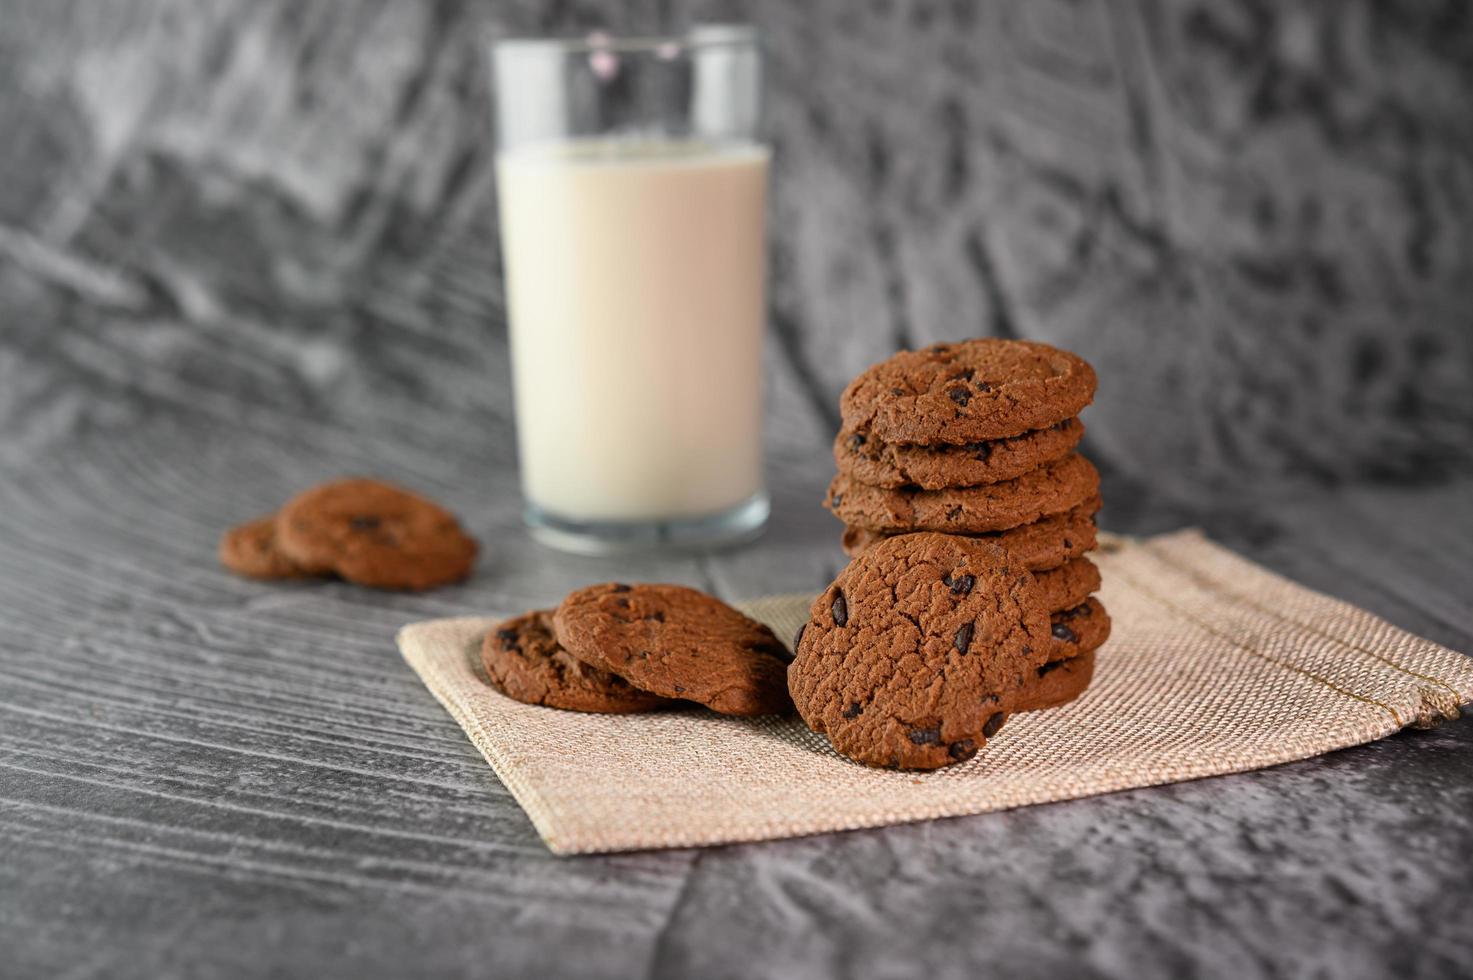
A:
<point x="248" y="245"/>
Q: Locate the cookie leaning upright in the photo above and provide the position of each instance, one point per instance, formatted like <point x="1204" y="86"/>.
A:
<point x="913" y="656"/>
<point x="374" y="534"/>
<point x="678" y="643"/>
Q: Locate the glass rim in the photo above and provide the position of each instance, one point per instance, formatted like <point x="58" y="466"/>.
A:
<point x="700" y="37"/>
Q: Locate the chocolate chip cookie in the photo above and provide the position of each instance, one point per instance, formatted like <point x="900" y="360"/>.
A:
<point x="1051" y="489"/>
<point x="988" y="388"/>
<point x="375" y="534"/>
<point x="250" y="550"/>
<point x="1046" y="543"/>
<point x="868" y="459"/>
<point x="1056" y="682"/>
<point x="1068" y="585"/>
<point x="524" y="661"/>
<point x="678" y="643"/>
<point x="910" y="658"/>
<point x="1079" y="630"/>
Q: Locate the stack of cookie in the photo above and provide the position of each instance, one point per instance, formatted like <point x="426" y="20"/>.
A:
<point x="621" y="649"/>
<point x="978" y="439"/>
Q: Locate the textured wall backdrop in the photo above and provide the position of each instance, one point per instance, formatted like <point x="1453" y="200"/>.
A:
<point x="1256" y="218"/>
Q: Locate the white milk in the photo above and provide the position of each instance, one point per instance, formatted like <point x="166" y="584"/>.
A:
<point x="635" y="287"/>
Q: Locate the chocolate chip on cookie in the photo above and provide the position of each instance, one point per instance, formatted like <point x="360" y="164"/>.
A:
<point x="1056" y="682"/>
<point x="375" y="534"/>
<point x="678" y="643"/>
<point x="1051" y="489"/>
<point x="911" y="657"/>
<point x="987" y="388"/>
<point x="524" y="661"/>
<point x="1078" y="630"/>
<point x="869" y="459"/>
<point x="1045" y="543"/>
<point x="1060" y="588"/>
<point x="250" y="549"/>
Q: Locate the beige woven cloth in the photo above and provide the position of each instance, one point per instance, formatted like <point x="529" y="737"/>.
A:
<point x="1215" y="666"/>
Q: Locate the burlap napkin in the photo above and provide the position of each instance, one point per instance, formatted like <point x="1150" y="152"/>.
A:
<point x="1215" y="666"/>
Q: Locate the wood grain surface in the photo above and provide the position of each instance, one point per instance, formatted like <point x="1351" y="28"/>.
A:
<point x="246" y="246"/>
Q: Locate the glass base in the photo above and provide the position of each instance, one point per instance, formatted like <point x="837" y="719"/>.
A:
<point x="738" y="525"/>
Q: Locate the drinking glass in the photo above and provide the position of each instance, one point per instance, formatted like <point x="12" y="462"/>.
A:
<point x="632" y="193"/>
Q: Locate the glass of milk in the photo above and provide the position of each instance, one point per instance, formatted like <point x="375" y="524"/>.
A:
<point x="632" y="193"/>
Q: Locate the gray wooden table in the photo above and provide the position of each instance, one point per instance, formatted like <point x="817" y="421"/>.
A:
<point x="204" y="776"/>
<point x="250" y="244"/>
